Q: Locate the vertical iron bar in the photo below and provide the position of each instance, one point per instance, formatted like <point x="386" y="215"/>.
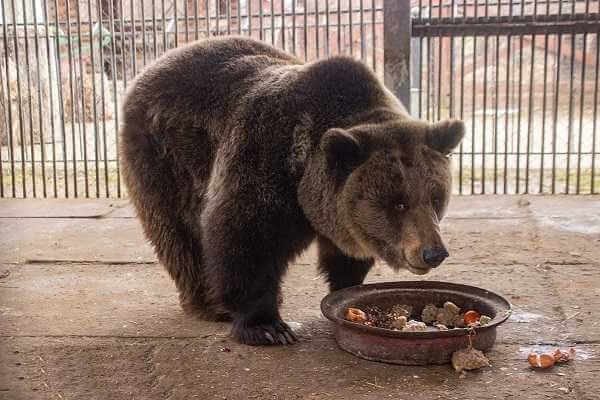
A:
<point x="573" y="9"/>
<point x="187" y="22"/>
<point x="30" y="97"/>
<point x="570" y="126"/>
<point x="40" y="100"/>
<point x="530" y="114"/>
<point x="397" y="38"/>
<point x="429" y="68"/>
<point x="496" y="106"/>
<point x="72" y="95"/>
<point x="451" y="88"/>
<point x="175" y="20"/>
<point x="594" y="118"/>
<point x="122" y="38"/>
<point x="373" y="34"/>
<point x="51" y="97"/>
<point x="102" y="91"/>
<point x="207" y="4"/>
<point x="362" y="32"/>
<point x="143" y="28"/>
<point x="133" y="43"/>
<point x="154" y="35"/>
<point x="317" y="28"/>
<point x="19" y="99"/>
<point x="9" y="109"/>
<point x="260" y="19"/>
<point x="473" y="107"/>
<point x="124" y="85"/>
<point x="462" y="104"/>
<point x="283" y="25"/>
<point x="164" y="25"/>
<point x="60" y="99"/>
<point x="196" y="21"/>
<point x="420" y="79"/>
<point x="249" y="16"/>
<point x="506" y="108"/>
<point x="218" y="16"/>
<point x="94" y="108"/>
<point x="272" y="23"/>
<point x="451" y="61"/>
<point x="543" y="151"/>
<point x="420" y="76"/>
<point x="350" y="10"/>
<point x="555" y="122"/>
<point x="227" y="15"/>
<point x="82" y="114"/>
<point x="484" y="116"/>
<point x="339" y="26"/>
<point x="327" y="28"/>
<point x="520" y="91"/>
<point x="294" y="27"/>
<point x="8" y="127"/>
<point x="581" y="107"/>
<point x="239" y="16"/>
<point x="114" y="72"/>
<point x="439" y="91"/>
<point x="305" y="32"/>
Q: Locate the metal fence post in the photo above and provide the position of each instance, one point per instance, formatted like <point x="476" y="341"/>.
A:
<point x="396" y="48"/>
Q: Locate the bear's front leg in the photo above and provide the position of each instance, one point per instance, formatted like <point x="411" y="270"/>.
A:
<point x="251" y="293"/>
<point x="340" y="270"/>
<point x="258" y="323"/>
<point x="243" y="272"/>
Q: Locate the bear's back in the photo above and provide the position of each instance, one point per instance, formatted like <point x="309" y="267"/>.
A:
<point x="202" y="77"/>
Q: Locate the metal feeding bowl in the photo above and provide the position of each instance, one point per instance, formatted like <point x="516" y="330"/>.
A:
<point x="412" y="348"/>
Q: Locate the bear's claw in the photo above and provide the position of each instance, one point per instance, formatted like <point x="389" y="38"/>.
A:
<point x="275" y="333"/>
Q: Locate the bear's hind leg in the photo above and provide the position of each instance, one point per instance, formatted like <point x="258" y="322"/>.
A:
<point x="340" y="270"/>
<point x="200" y="308"/>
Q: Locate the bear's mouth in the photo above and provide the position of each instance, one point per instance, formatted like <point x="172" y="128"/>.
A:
<point x="417" y="271"/>
<point x="412" y="268"/>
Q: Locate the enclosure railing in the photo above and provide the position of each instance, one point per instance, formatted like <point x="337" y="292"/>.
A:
<point x="523" y="75"/>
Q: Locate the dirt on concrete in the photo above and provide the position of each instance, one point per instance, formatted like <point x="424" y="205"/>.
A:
<point x="86" y="312"/>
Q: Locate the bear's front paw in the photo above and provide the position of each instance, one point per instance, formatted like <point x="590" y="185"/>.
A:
<point x="274" y="333"/>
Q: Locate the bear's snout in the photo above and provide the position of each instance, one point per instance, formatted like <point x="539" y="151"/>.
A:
<point x="434" y="256"/>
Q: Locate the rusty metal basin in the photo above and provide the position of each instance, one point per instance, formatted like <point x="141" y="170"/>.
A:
<point x="412" y="348"/>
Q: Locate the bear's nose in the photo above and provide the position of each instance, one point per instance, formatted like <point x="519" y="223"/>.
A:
<point x="434" y="256"/>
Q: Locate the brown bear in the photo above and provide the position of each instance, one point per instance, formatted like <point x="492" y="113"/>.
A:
<point x="237" y="156"/>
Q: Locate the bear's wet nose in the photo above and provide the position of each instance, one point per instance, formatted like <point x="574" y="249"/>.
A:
<point x="434" y="256"/>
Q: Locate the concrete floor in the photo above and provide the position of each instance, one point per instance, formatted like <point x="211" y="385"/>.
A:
<point x="87" y="313"/>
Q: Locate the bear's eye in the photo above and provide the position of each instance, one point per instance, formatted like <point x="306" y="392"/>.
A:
<point x="401" y="207"/>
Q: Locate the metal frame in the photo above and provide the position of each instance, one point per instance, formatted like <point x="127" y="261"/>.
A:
<point x="478" y="60"/>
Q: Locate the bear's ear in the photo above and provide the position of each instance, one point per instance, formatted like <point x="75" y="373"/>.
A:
<point x="341" y="148"/>
<point x="445" y="135"/>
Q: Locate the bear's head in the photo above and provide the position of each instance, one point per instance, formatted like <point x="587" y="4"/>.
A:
<point x="381" y="189"/>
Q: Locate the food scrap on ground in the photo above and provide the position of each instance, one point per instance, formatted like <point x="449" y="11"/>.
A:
<point x="468" y="359"/>
<point x="547" y="360"/>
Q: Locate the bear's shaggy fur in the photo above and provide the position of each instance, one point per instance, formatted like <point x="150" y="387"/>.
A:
<point x="237" y="156"/>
